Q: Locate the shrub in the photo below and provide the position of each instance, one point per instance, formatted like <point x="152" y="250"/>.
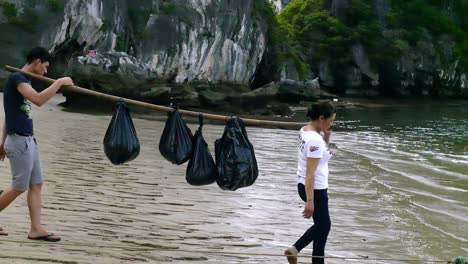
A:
<point x="55" y="5"/>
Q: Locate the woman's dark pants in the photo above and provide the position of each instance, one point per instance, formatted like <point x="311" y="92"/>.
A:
<point x="318" y="233"/>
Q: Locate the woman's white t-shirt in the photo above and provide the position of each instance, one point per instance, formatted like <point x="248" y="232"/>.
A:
<point x="312" y="145"/>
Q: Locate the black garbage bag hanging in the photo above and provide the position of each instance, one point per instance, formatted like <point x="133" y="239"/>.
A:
<point x="176" y="144"/>
<point x="201" y="169"/>
<point x="121" y="142"/>
<point x="235" y="158"/>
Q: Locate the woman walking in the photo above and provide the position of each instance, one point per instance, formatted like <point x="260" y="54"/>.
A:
<point x="312" y="172"/>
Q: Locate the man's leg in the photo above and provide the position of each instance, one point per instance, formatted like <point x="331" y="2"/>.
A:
<point x="18" y="154"/>
<point x="37" y="231"/>
<point x="16" y="149"/>
<point x="35" y="194"/>
<point x="34" y="205"/>
<point x="2" y="232"/>
<point x="8" y="196"/>
<point x="35" y="200"/>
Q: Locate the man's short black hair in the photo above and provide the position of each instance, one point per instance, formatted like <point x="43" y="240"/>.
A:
<point x="38" y="53"/>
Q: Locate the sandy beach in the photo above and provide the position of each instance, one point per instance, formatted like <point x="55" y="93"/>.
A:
<point x="145" y="212"/>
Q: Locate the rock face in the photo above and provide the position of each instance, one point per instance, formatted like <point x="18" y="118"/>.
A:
<point x="200" y="51"/>
<point x="203" y="51"/>
<point x="216" y="41"/>
<point x="111" y="71"/>
<point x="427" y="67"/>
<point x="279" y="4"/>
<point x="183" y="41"/>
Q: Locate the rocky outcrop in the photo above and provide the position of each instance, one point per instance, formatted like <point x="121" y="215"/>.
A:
<point x="279" y="4"/>
<point x="111" y="72"/>
<point x="123" y="75"/>
<point x="426" y="65"/>
<point x="200" y="51"/>
<point x="183" y="41"/>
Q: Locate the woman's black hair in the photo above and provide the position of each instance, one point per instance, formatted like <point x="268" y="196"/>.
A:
<point x="38" y="53"/>
<point x="325" y="109"/>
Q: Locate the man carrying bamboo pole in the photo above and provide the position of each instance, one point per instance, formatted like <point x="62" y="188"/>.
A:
<point x="18" y="143"/>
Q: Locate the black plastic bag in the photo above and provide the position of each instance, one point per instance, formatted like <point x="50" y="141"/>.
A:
<point x="235" y="158"/>
<point x="176" y="144"/>
<point x="201" y="169"/>
<point x="121" y="142"/>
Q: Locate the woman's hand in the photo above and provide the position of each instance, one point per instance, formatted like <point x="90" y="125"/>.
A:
<point x="326" y="135"/>
<point x="308" y="209"/>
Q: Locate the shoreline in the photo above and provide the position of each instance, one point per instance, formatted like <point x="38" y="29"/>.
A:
<point x="101" y="107"/>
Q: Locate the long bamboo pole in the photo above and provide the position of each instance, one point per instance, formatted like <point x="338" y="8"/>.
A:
<point x="77" y="89"/>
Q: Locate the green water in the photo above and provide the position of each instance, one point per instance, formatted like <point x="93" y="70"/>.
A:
<point x="439" y="127"/>
<point x="412" y="160"/>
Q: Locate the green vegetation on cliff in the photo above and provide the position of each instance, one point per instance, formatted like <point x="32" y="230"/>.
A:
<point x="26" y="21"/>
<point x="55" y="5"/>
<point x="309" y="26"/>
<point x="281" y="46"/>
<point x="447" y="17"/>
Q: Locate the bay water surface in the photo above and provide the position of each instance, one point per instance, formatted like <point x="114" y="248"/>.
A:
<point x="398" y="190"/>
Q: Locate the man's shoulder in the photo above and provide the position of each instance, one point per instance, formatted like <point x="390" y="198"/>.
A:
<point x="11" y="85"/>
<point x="15" y="79"/>
<point x="19" y="76"/>
<point x="16" y="75"/>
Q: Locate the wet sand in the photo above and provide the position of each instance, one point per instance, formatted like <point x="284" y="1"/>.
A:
<point x="134" y="212"/>
<point x="145" y="212"/>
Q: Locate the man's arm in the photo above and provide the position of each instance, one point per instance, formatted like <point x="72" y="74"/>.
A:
<point x="2" y="145"/>
<point x="4" y="132"/>
<point x="41" y="98"/>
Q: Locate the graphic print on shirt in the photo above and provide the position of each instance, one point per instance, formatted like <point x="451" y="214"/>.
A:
<point x="26" y="108"/>
<point x="313" y="148"/>
<point x="300" y="142"/>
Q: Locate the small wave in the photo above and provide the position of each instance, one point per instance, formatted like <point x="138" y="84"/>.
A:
<point x="425" y="223"/>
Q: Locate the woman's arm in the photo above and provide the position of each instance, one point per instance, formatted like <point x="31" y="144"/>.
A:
<point x="312" y="164"/>
<point x="326" y="136"/>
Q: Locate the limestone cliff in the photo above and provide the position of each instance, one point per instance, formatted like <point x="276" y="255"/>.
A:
<point x="180" y="41"/>
<point x="208" y="50"/>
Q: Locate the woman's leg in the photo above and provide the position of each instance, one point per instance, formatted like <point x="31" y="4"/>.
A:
<point x="320" y="217"/>
<point x="323" y="223"/>
<point x="291" y="253"/>
<point x="319" y="231"/>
